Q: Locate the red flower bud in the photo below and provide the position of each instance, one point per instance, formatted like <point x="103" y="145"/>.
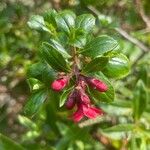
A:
<point x="59" y="84"/>
<point x="84" y="97"/>
<point x="97" y="84"/>
<point x="71" y="101"/>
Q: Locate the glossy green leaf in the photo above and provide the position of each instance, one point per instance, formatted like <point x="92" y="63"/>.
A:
<point x="59" y="48"/>
<point x="139" y="100"/>
<point x="42" y="72"/>
<point x="34" y="84"/>
<point x="37" y="22"/>
<point x="65" y="20"/>
<point x="99" y="46"/>
<point x="34" y="102"/>
<point x="64" y="97"/>
<point x="107" y="96"/>
<point x="117" y="67"/>
<point x="86" y="22"/>
<point x="8" y="144"/>
<point x="35" y="70"/>
<point x="54" y="58"/>
<point x="96" y="65"/>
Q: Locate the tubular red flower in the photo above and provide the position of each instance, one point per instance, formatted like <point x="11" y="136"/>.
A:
<point x="92" y="112"/>
<point x="86" y="110"/>
<point x="59" y="84"/>
<point x="97" y="84"/>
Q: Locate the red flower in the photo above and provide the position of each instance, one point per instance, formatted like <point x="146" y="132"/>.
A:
<point x="97" y="84"/>
<point x="59" y="84"/>
<point x="86" y="110"/>
<point x="84" y="107"/>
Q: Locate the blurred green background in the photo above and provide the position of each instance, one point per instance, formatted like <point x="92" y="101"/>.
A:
<point x="128" y="21"/>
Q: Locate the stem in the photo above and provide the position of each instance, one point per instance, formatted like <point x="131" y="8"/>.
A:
<point x="76" y="62"/>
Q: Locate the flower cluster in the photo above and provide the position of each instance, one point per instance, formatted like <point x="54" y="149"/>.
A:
<point x="78" y="96"/>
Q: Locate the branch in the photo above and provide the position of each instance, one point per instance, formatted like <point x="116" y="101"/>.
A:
<point x="142" y="13"/>
<point x="132" y="39"/>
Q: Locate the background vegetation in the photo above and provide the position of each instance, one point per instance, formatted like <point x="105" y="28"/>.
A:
<point x="127" y="123"/>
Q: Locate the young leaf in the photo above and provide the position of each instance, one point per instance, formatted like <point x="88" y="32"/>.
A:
<point x="54" y="58"/>
<point x="59" y="48"/>
<point x="117" y="67"/>
<point x="78" y="38"/>
<point x="86" y="22"/>
<point x="6" y="144"/>
<point x="64" y="96"/>
<point x="34" y="102"/>
<point x="104" y="20"/>
<point x="107" y="96"/>
<point x="34" y="84"/>
<point x="26" y="122"/>
<point x="49" y="17"/>
<point x="139" y="100"/>
<point x="65" y="20"/>
<point x="96" y="65"/>
<point x="99" y="46"/>
<point x="37" y="22"/>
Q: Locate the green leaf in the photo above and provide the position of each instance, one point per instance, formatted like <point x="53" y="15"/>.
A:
<point x="117" y="67"/>
<point x="34" y="84"/>
<point x="86" y="22"/>
<point x="8" y="144"/>
<point x="133" y="143"/>
<point x="35" y="70"/>
<point x="99" y="46"/>
<point x="54" y="58"/>
<point x="64" y="97"/>
<point x="59" y="48"/>
<point x="96" y="65"/>
<point x="139" y="100"/>
<point x="118" y="132"/>
<point x="65" y="20"/>
<point x="120" y="128"/>
<point x="115" y="110"/>
<point x="37" y="22"/>
<point x="107" y="96"/>
<point x="34" y="102"/>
